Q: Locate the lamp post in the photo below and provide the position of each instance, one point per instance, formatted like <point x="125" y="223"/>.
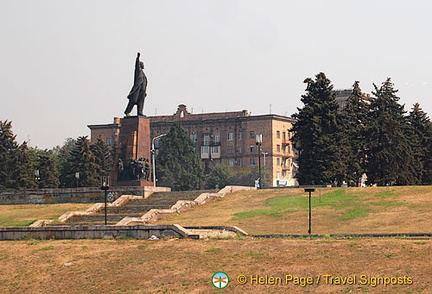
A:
<point x="77" y="175"/>
<point x="153" y="151"/>
<point x="258" y="139"/>
<point x="310" y="190"/>
<point x="264" y="155"/>
<point x="105" y="187"/>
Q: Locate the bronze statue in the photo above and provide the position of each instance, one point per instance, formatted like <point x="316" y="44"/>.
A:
<point x="138" y="92"/>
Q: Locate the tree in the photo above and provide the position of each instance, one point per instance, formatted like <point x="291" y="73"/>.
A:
<point x="48" y="173"/>
<point x="178" y="166"/>
<point x="353" y="122"/>
<point x="103" y="157"/>
<point x="390" y="156"/>
<point x="82" y="161"/>
<point x="7" y="146"/>
<point x="21" y="169"/>
<point x="248" y="176"/>
<point x="316" y="135"/>
<point x="219" y="176"/>
<point x="63" y="154"/>
<point x="422" y="141"/>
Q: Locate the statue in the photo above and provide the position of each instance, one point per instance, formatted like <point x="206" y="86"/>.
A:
<point x="138" y="92"/>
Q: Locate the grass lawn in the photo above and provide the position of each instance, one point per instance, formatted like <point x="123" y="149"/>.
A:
<point x="26" y="214"/>
<point x="334" y="210"/>
<point x="187" y="266"/>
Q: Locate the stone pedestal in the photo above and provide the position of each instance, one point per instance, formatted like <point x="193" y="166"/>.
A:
<point x="133" y="143"/>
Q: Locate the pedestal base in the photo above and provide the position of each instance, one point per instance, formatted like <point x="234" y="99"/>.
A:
<point x="135" y="183"/>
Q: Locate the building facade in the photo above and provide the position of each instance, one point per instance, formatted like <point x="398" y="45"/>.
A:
<point x="227" y="137"/>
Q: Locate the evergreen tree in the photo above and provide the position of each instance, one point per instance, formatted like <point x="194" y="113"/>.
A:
<point x="390" y="151"/>
<point x="48" y="173"/>
<point x="21" y="169"/>
<point x="103" y="156"/>
<point x="82" y="161"/>
<point x="317" y="135"/>
<point x="63" y="154"/>
<point x="353" y="122"/>
<point x="422" y="141"/>
<point x="7" y="146"/>
<point x="178" y="166"/>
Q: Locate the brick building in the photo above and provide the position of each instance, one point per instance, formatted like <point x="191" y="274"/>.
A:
<point x="227" y="137"/>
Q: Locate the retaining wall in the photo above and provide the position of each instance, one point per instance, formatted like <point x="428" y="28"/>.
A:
<point x="95" y="232"/>
<point x="73" y="195"/>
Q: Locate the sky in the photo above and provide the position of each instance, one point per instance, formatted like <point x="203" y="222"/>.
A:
<point x="68" y="64"/>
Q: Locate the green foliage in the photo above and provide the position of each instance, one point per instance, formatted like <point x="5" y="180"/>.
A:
<point x="353" y="121"/>
<point x="422" y="140"/>
<point x="7" y="147"/>
<point x="82" y="160"/>
<point x="219" y="176"/>
<point x="390" y="156"/>
<point x="317" y="135"/>
<point x="103" y="157"/>
<point x="178" y="166"/>
<point x="248" y="176"/>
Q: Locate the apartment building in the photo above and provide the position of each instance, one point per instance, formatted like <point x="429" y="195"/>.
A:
<point x="227" y="137"/>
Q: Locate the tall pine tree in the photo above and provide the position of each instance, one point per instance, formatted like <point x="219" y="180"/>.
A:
<point x="353" y="122"/>
<point x="7" y="147"/>
<point x="422" y="141"/>
<point x="317" y="135"/>
<point x="103" y="156"/>
<point x="390" y="152"/>
<point x="82" y="161"/>
<point x="178" y="166"/>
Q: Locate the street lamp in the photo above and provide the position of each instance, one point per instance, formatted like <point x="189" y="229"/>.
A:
<point x="77" y="175"/>
<point x="258" y="139"/>
<point x="153" y="151"/>
<point x="264" y="155"/>
<point x="310" y="190"/>
<point x="105" y="187"/>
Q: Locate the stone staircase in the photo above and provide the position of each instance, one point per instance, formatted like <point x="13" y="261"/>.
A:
<point x="133" y="208"/>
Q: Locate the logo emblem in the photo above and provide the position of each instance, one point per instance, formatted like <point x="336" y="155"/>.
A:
<point x="220" y="280"/>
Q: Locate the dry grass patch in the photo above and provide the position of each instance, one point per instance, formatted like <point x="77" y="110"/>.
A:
<point x="334" y="211"/>
<point x="26" y="214"/>
<point x="186" y="266"/>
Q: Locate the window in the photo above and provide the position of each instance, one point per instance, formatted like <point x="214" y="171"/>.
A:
<point x="193" y="137"/>
<point x="217" y="138"/>
<point x="252" y="148"/>
<point x="108" y="141"/>
<point x="239" y="162"/>
<point x="252" y="161"/>
<point x="284" y="174"/>
<point x="278" y="134"/>
<point x="206" y="139"/>
<point x="214" y="149"/>
<point x="278" y="148"/>
<point x="230" y="136"/>
<point x="278" y="161"/>
<point x="284" y="136"/>
<point x="240" y="135"/>
<point x="239" y="150"/>
<point x="231" y="162"/>
<point x="205" y="149"/>
<point x="289" y="148"/>
<point x="230" y="150"/>
<point x="252" y="135"/>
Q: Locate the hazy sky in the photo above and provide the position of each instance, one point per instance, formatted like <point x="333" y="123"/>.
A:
<point x="67" y="64"/>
